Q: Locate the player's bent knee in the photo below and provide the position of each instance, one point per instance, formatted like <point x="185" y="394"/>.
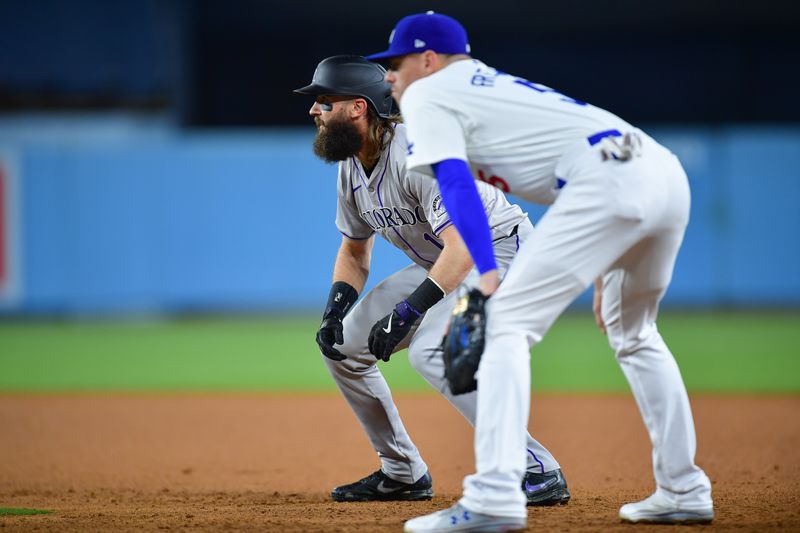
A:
<point x="647" y="345"/>
<point x="352" y="365"/>
<point x="624" y="346"/>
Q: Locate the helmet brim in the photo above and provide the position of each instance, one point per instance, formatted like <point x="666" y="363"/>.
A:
<point x="314" y="89"/>
<point x="388" y="54"/>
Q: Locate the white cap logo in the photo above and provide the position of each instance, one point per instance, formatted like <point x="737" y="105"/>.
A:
<point x="391" y="36"/>
<point x="419" y="43"/>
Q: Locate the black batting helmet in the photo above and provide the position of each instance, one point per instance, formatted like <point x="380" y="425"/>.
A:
<point x="352" y="76"/>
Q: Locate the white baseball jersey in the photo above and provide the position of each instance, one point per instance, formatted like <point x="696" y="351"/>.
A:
<point x="405" y="207"/>
<point x="518" y="154"/>
<point x="619" y="219"/>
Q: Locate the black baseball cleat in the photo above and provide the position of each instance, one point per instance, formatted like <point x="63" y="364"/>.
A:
<point x="549" y="488"/>
<point x="380" y="487"/>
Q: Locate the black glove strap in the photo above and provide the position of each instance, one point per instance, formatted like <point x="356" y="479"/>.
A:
<point x="425" y="296"/>
<point x="340" y="300"/>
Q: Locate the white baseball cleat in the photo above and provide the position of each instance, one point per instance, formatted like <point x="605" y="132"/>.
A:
<point x="660" y="509"/>
<point x="461" y="520"/>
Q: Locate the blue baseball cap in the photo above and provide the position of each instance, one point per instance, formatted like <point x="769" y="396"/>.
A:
<point x="426" y="31"/>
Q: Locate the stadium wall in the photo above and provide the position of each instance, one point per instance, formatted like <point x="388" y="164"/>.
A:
<point x="127" y="214"/>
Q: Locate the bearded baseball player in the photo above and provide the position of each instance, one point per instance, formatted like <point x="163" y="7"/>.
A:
<point x="356" y="127"/>
<point x="619" y="209"/>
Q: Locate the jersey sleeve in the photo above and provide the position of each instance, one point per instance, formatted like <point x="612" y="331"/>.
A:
<point x="460" y="193"/>
<point x="426" y="190"/>
<point x="436" y="130"/>
<point x="348" y="219"/>
<point x="503" y="215"/>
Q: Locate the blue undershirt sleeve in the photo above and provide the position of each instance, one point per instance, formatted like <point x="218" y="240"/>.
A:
<point x="464" y="204"/>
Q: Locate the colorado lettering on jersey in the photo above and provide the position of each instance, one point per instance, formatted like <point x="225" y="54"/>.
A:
<point x="391" y="217"/>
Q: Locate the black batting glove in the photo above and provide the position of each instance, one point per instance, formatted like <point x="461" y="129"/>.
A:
<point x="387" y="332"/>
<point x="331" y="332"/>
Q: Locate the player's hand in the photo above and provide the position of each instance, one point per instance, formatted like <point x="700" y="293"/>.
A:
<point x="597" y="305"/>
<point x="624" y="149"/>
<point x="331" y="332"/>
<point x="386" y="334"/>
<point x="489" y="282"/>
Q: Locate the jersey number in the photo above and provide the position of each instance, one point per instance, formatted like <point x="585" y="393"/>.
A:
<point x="538" y="87"/>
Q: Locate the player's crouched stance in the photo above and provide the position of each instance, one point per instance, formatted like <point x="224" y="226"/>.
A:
<point x="619" y="206"/>
<point x="356" y="127"/>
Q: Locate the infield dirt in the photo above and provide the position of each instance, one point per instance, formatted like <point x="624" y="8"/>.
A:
<point x="267" y="462"/>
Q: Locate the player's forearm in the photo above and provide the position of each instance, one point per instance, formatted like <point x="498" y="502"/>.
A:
<point x="352" y="266"/>
<point x="453" y="264"/>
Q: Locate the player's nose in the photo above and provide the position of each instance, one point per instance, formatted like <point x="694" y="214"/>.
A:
<point x="314" y="111"/>
<point x="389" y="77"/>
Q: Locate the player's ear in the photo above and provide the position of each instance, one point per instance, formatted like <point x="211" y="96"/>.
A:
<point x="431" y="61"/>
<point x="358" y="108"/>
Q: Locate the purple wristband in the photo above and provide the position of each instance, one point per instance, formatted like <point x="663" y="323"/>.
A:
<point x="406" y="312"/>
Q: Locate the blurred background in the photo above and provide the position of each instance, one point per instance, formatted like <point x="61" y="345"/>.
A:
<point x="155" y="163"/>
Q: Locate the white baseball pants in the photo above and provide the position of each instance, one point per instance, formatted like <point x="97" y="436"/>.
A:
<point x="621" y="220"/>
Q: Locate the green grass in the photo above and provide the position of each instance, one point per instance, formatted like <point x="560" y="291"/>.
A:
<point x="717" y="352"/>
<point x="12" y="511"/>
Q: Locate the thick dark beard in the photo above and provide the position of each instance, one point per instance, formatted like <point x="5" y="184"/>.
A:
<point x="339" y="140"/>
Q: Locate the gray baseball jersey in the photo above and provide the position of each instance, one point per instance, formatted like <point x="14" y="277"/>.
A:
<point x="405" y="207"/>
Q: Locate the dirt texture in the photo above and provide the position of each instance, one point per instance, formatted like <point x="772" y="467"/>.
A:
<point x="267" y="462"/>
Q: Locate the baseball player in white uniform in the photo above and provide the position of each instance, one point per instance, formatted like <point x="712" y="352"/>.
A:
<point x="620" y="205"/>
<point x="376" y="194"/>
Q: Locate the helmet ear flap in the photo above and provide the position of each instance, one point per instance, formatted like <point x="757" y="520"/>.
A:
<point x="391" y="105"/>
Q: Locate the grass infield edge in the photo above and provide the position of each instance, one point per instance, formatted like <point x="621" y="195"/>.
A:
<point x="20" y="511"/>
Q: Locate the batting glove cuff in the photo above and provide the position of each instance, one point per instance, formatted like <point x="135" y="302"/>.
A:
<point x="407" y="313"/>
<point x="340" y="300"/>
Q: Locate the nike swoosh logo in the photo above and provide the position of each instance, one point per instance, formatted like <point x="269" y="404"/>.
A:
<point x="534" y="488"/>
<point x="388" y="329"/>
<point x="383" y="489"/>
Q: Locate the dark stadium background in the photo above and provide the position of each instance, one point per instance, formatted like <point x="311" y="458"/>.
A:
<point x="218" y="64"/>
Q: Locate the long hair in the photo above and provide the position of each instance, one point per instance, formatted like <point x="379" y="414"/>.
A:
<point x="380" y="132"/>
